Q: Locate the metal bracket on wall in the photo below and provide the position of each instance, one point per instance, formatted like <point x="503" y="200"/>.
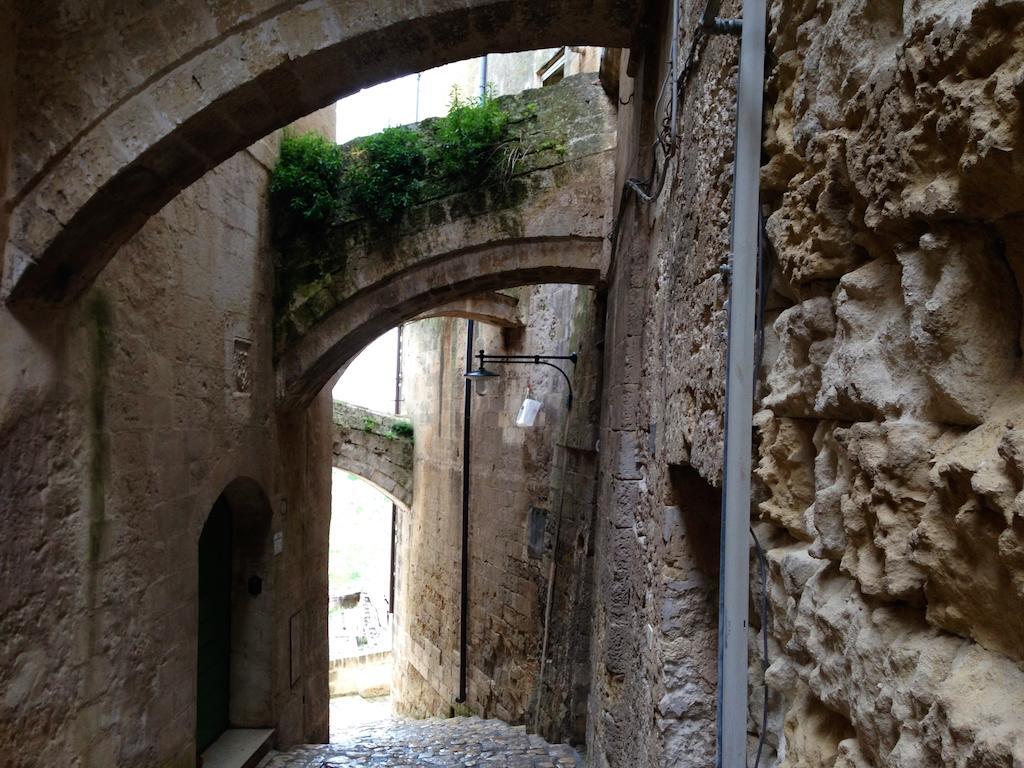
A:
<point x="720" y="26"/>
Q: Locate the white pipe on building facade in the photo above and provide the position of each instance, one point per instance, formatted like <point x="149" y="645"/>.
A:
<point x="735" y="552"/>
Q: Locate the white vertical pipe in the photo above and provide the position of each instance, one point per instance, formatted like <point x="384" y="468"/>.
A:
<point x="735" y="565"/>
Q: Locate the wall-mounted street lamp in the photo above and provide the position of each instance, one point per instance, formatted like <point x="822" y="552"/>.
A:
<point x="481" y="376"/>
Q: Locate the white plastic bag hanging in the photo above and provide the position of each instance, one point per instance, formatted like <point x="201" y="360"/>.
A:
<point x="528" y="412"/>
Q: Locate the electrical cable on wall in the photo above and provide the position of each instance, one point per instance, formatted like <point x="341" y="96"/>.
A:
<point x="762" y="568"/>
<point x="668" y="138"/>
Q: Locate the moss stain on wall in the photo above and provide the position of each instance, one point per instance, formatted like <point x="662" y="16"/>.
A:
<point x="98" y="321"/>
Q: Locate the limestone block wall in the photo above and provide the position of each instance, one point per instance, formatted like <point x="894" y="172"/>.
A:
<point x="888" y="462"/>
<point x="521" y="481"/>
<point x="123" y="417"/>
<point x="652" y="699"/>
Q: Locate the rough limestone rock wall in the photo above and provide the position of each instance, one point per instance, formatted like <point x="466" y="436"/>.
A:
<point x="891" y="453"/>
<point x="521" y="481"/>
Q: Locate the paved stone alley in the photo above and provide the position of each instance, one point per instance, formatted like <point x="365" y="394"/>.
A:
<point x="455" y="743"/>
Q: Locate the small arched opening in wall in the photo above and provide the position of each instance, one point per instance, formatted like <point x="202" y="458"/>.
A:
<point x="234" y="656"/>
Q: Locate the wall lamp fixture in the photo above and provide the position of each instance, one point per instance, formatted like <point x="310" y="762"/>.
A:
<point x="481" y="376"/>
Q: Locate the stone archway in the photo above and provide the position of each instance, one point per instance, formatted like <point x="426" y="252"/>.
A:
<point x="548" y="224"/>
<point x="374" y="447"/>
<point x="138" y="122"/>
<point x="307" y="367"/>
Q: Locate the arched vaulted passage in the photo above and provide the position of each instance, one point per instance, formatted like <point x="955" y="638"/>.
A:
<point x="140" y="125"/>
<point x="548" y="224"/>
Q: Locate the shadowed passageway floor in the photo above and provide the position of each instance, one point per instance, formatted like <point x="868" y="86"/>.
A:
<point x="453" y="743"/>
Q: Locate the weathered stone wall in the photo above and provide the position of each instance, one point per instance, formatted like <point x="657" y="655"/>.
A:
<point x="654" y="639"/>
<point x="123" y="417"/>
<point x="888" y="444"/>
<point x="887" y="462"/>
<point x="8" y="100"/>
<point x="519" y="478"/>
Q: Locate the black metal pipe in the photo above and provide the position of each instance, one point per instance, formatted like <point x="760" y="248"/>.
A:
<point x="464" y="597"/>
<point x="394" y="552"/>
<point x="394" y="507"/>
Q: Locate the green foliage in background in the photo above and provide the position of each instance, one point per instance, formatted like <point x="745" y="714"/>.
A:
<point x="306" y="182"/>
<point x="466" y="142"/>
<point x="402" y="429"/>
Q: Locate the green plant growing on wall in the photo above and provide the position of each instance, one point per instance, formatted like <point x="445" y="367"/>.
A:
<point x="402" y="429"/>
<point x="380" y="176"/>
<point x="465" y="143"/>
<point x="384" y="173"/>
<point x="318" y="188"/>
<point x="306" y="182"/>
<point x="370" y="424"/>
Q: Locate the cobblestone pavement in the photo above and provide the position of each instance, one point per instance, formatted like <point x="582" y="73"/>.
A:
<point x="461" y="742"/>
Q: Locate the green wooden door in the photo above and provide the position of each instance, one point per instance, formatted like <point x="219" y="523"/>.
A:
<point x="213" y="664"/>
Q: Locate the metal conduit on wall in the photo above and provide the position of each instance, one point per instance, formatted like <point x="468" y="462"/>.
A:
<point x="739" y="397"/>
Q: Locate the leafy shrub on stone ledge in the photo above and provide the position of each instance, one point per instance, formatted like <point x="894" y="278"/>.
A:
<point x="380" y="176"/>
<point x="402" y="429"/>
<point x="306" y="181"/>
<point x="466" y="142"/>
<point x="384" y="173"/>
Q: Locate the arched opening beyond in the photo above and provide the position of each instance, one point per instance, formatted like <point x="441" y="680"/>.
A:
<point x="86" y="185"/>
<point x="234" y="614"/>
<point x="549" y="226"/>
<point x="326" y="348"/>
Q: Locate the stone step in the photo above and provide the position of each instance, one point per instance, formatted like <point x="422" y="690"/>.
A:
<point x="238" y="748"/>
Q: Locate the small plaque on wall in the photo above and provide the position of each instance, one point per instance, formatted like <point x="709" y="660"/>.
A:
<point x="295" y="648"/>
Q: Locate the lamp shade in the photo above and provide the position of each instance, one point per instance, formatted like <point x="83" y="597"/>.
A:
<point x="480" y="377"/>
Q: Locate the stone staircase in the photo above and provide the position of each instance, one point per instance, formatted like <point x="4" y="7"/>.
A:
<point x="456" y="742"/>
